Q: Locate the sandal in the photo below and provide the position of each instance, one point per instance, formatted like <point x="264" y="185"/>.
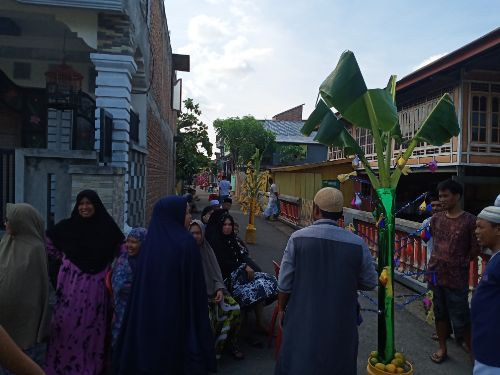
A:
<point x="236" y="353"/>
<point x="437" y="358"/>
<point x="435" y="337"/>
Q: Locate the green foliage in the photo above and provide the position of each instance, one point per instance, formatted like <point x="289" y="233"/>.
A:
<point x="241" y="136"/>
<point x="291" y="153"/>
<point x="194" y="150"/>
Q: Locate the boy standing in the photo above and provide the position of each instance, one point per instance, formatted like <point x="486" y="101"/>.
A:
<point x="455" y="245"/>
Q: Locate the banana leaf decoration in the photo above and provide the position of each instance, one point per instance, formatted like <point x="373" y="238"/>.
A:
<point x="344" y="100"/>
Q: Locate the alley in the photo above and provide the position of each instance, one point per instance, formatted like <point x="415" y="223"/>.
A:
<point x="413" y="334"/>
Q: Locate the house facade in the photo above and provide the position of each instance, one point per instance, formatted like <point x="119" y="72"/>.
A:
<point x="292" y="147"/>
<point x="88" y="100"/>
<point x="471" y="75"/>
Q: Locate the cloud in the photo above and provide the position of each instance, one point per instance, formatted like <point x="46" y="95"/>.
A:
<point x="206" y="30"/>
<point x="429" y="60"/>
<point x="227" y="50"/>
<point x="222" y="55"/>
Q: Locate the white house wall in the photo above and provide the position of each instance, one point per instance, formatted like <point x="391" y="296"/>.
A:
<point x="81" y="21"/>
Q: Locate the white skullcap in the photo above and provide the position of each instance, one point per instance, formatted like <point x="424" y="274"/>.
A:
<point x="497" y="201"/>
<point x="491" y="214"/>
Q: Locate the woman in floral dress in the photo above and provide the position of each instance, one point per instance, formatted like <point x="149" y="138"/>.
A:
<point x="85" y="244"/>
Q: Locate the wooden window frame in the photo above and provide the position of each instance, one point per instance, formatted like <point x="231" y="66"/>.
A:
<point x="489" y="95"/>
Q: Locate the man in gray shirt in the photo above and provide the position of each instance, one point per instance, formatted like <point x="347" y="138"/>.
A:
<point x="323" y="266"/>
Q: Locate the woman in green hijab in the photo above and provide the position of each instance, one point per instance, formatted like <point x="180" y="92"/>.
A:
<point x="24" y="282"/>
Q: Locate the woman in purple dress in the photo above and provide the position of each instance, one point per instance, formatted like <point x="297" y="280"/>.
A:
<point x="85" y="244"/>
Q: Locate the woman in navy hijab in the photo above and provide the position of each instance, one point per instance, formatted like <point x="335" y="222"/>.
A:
<point x="166" y="330"/>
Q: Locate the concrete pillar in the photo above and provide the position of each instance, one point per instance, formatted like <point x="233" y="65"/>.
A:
<point x="113" y="94"/>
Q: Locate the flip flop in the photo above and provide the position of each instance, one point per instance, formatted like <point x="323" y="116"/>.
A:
<point x="436" y="358"/>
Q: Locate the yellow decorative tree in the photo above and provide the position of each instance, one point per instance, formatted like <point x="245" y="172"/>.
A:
<point x="254" y="182"/>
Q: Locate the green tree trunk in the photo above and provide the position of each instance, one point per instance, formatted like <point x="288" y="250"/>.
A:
<point x="386" y="207"/>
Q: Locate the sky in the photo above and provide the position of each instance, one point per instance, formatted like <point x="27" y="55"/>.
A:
<point x="262" y="57"/>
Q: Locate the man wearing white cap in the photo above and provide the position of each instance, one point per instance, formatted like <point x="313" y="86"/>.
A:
<point x="323" y="266"/>
<point x="485" y="304"/>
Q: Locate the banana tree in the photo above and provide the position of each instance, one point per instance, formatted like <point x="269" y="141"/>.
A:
<point x="344" y="91"/>
<point x="255" y="182"/>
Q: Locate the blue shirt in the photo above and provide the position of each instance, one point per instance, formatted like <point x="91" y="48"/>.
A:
<point x="326" y="232"/>
<point x="224" y="187"/>
<point x="485" y="314"/>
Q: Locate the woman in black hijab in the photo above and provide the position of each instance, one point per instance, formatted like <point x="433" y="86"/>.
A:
<point x="85" y="245"/>
<point x="248" y="287"/>
<point x="166" y="328"/>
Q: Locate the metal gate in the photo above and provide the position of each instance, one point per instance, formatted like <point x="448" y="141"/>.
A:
<point x="7" y="192"/>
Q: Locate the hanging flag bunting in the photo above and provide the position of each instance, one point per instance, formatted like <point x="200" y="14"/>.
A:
<point x="433" y="166"/>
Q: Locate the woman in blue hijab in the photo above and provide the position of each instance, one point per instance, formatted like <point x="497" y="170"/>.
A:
<point x="166" y="329"/>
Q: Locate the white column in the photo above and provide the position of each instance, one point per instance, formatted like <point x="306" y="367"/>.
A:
<point x="113" y="94"/>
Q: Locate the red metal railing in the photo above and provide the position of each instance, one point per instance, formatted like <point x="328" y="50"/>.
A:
<point x="412" y="253"/>
<point x="290" y="211"/>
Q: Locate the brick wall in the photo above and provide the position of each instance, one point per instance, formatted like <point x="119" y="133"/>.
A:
<point x="293" y="114"/>
<point x="160" y="171"/>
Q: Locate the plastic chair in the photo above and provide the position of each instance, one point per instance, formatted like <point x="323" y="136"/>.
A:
<point x="274" y="318"/>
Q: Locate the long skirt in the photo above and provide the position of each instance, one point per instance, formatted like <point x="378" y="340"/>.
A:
<point x="272" y="208"/>
<point x="263" y="287"/>
<point x="226" y="322"/>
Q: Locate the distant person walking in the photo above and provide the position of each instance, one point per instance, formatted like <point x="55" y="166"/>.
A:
<point x="85" y="245"/>
<point x="454" y="246"/>
<point x="485" y="304"/>
<point x="323" y="266"/>
<point x="166" y="328"/>
<point x="224" y="189"/>
<point x="24" y="282"/>
<point x="272" y="210"/>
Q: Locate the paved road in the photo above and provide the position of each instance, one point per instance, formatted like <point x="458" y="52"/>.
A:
<point x="412" y="332"/>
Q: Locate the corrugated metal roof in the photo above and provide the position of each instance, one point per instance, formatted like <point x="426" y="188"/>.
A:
<point x="289" y="131"/>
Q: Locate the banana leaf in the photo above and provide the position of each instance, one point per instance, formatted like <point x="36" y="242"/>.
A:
<point x="346" y="91"/>
<point x="332" y="132"/>
<point x="344" y="85"/>
<point x="380" y="103"/>
<point x="441" y="124"/>
<point x="315" y="117"/>
<point x="391" y="88"/>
